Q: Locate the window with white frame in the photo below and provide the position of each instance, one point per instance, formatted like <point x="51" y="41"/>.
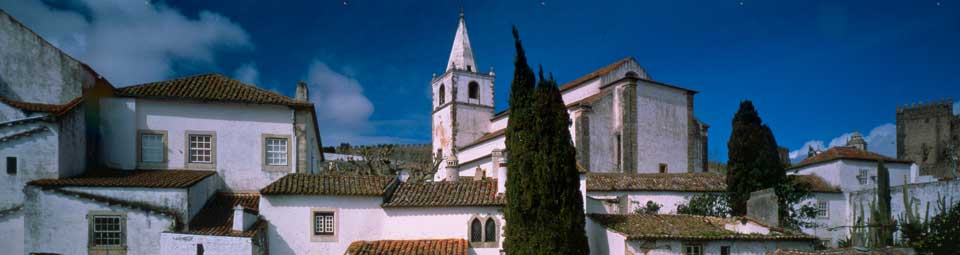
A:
<point x="823" y="209"/>
<point x="107" y="231"/>
<point x="692" y="249"/>
<point x="151" y="147"/>
<point x="201" y="148"/>
<point x="323" y="223"/>
<point x="862" y="177"/>
<point x="276" y="150"/>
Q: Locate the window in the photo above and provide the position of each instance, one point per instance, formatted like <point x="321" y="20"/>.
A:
<point x="618" y="153"/>
<point x="724" y="250"/>
<point x="469" y="68"/>
<point x="12" y="165"/>
<point x="199" y="249"/>
<point x="663" y="168"/>
<point x="862" y="176"/>
<point x="692" y="249"/>
<point x="490" y="230"/>
<point x="474" y="90"/>
<point x="201" y="148"/>
<point x="476" y="231"/>
<point x="107" y="231"/>
<point x="443" y="94"/>
<point x="823" y="209"/>
<point x="323" y="223"/>
<point x="152" y="147"/>
<point x="276" y="151"/>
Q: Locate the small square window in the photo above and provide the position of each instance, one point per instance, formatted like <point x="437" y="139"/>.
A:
<point x="663" y="168"/>
<point x="276" y="151"/>
<point x="323" y="223"/>
<point x="724" y="250"/>
<point x="823" y="209"/>
<point x="12" y="165"/>
<point x="692" y="249"/>
<point x="107" y="231"/>
<point x="151" y="147"/>
<point x="201" y="149"/>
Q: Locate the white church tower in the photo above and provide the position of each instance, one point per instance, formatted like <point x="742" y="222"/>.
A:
<point x="462" y="103"/>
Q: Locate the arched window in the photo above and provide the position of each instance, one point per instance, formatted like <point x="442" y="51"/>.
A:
<point x="443" y="94"/>
<point x="474" y="90"/>
<point x="490" y="231"/>
<point x="476" y="231"/>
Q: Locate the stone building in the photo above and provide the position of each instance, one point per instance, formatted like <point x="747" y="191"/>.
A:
<point x="929" y="134"/>
<point x="618" y="112"/>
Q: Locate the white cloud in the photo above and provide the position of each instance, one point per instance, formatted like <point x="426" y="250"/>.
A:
<point x="343" y="110"/>
<point x="131" y="42"/>
<point x="881" y="139"/>
<point x="248" y="73"/>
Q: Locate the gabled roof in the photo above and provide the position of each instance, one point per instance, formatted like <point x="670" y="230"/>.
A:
<point x="216" y="217"/>
<point x="409" y="247"/>
<point x="843" y="152"/>
<point x="209" y="87"/>
<point x="53" y="109"/>
<point x="333" y="185"/>
<point x="695" y="182"/>
<point x="129" y="178"/>
<point x="599" y="72"/>
<point x="685" y="227"/>
<point x="464" y="192"/>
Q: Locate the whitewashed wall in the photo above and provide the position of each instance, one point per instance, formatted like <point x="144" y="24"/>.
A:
<point x="239" y="129"/>
<point x="37" y="158"/>
<point x="661" y="128"/>
<point x="843" y="173"/>
<point x="603" y="241"/>
<point x="56" y="223"/>
<point x="11" y="226"/>
<point x="184" y="244"/>
<point x="830" y="227"/>
<point x="440" y="223"/>
<point x="584" y="90"/>
<point x="669" y="200"/>
<point x="289" y="231"/>
<point x="921" y="195"/>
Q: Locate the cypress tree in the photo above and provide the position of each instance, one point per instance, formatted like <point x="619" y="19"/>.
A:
<point x="523" y="227"/>
<point x="754" y="162"/>
<point x="883" y="205"/>
<point x="544" y="211"/>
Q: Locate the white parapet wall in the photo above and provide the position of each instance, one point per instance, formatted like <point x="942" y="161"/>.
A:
<point x="187" y="244"/>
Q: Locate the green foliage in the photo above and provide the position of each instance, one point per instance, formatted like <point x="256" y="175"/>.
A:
<point x="544" y="209"/>
<point x="754" y="160"/>
<point x="937" y="235"/>
<point x="650" y="208"/>
<point x="716" y="205"/>
<point x="795" y="214"/>
<point x="882" y="217"/>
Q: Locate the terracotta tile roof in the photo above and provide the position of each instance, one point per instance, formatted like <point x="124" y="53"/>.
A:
<point x="684" y="227"/>
<point x="486" y="137"/>
<point x="209" y="87"/>
<point x="842" y="152"/>
<point x="599" y="72"/>
<point x="54" y="109"/>
<point x="815" y="183"/>
<point x="216" y="217"/>
<point x="130" y="178"/>
<point x="409" y="247"/>
<point x="699" y="182"/>
<point x="846" y="251"/>
<point x="338" y="185"/>
<point x="465" y="192"/>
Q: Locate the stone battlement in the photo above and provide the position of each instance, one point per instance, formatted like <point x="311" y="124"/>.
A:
<point x="925" y="109"/>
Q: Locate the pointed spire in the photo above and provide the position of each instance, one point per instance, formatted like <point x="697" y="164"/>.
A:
<point x="461" y="55"/>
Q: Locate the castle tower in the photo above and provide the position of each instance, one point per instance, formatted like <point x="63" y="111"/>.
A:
<point x="462" y="99"/>
<point x="929" y="135"/>
<point x="856" y="141"/>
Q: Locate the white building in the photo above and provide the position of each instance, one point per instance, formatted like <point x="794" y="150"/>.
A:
<point x="617" y="112"/>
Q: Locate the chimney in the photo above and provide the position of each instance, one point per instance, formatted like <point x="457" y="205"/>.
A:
<point x="452" y="173"/>
<point x="302" y="92"/>
<point x="242" y="219"/>
<point x="501" y="172"/>
<point x="764" y="207"/>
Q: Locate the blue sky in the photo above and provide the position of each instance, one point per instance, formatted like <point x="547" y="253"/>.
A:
<point x="816" y="70"/>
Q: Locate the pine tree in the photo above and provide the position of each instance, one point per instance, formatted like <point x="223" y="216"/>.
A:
<point x="544" y="211"/>
<point x="523" y="227"/>
<point x="754" y="162"/>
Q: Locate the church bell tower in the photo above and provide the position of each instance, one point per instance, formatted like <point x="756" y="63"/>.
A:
<point x="462" y="101"/>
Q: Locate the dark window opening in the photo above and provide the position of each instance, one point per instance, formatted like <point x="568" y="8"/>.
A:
<point x="476" y="231"/>
<point x="12" y="165"/>
<point x="619" y="152"/>
<point x="469" y="68"/>
<point x="490" y="231"/>
<point x="474" y="90"/>
<point x="663" y="168"/>
<point x="443" y="94"/>
<point x="199" y="249"/>
<point x="724" y="250"/>
<point x="323" y="223"/>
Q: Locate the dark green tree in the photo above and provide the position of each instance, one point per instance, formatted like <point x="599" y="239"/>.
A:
<point x="754" y="161"/>
<point x="884" y="216"/>
<point x="708" y="204"/>
<point x="544" y="211"/>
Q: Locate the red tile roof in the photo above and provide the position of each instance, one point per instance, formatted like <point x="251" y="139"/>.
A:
<point x="685" y="227"/>
<point x="216" y="217"/>
<point x="843" y="152"/>
<point x="599" y="72"/>
<point x="409" y="247"/>
<point x="209" y="87"/>
<point x="339" y="185"/>
<point x="465" y="192"/>
<point x="697" y="182"/>
<point x="54" y="109"/>
<point x="130" y="178"/>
